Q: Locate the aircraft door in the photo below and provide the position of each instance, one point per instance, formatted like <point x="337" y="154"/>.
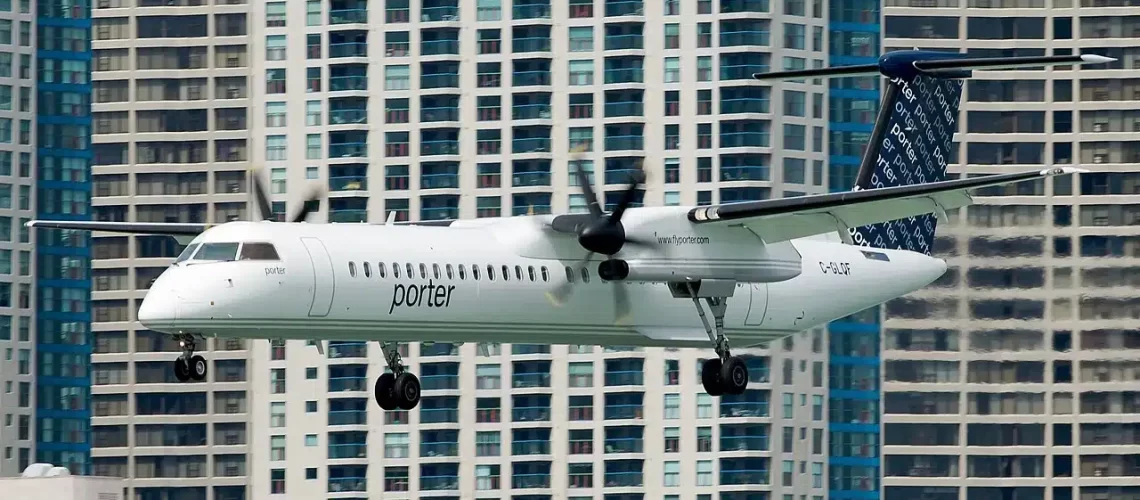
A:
<point x="758" y="308"/>
<point x="323" y="279"/>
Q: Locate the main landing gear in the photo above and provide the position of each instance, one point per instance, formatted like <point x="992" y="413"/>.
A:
<point x="189" y="366"/>
<point x="396" y="388"/>
<point x="724" y="374"/>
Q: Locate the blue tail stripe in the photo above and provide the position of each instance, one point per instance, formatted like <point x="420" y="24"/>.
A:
<point x="914" y="150"/>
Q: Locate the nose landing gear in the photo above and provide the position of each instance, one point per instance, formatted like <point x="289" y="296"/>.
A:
<point x="189" y="366"/>
<point x="397" y="388"/>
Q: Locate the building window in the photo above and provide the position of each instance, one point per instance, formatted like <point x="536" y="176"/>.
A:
<point x="277" y="482"/>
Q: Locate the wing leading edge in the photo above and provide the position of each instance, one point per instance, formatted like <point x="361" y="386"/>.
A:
<point x="789" y="218"/>
<point x="156" y="228"/>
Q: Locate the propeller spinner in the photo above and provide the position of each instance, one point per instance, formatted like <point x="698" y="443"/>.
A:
<point x="602" y="233"/>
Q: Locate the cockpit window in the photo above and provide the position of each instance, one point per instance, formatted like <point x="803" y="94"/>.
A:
<point x="216" y="252"/>
<point x="187" y="253"/>
<point x="258" y="251"/>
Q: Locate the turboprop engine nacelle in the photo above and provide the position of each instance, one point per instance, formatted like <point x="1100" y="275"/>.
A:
<point x="758" y="271"/>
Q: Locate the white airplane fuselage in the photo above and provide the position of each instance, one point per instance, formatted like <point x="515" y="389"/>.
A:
<point x="319" y="289"/>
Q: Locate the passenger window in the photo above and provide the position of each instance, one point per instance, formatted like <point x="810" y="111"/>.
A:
<point x="585" y="275"/>
<point x="395" y="270"/>
<point x="506" y="273"/>
<point x="258" y="251"/>
<point x="423" y="270"/>
<point x="380" y="270"/>
<point x="530" y="271"/>
<point x="367" y="270"/>
<point x="462" y="272"/>
<point x="352" y="269"/>
<point x="475" y="272"/>
<point x="569" y="274"/>
<point x="411" y="273"/>
<point x="187" y="252"/>
<point x="217" y="252"/>
<point x="490" y="272"/>
<point x="435" y="271"/>
<point x="450" y="272"/>
<point x="545" y="274"/>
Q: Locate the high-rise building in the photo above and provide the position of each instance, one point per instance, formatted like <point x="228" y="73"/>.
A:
<point x="17" y="339"/>
<point x="446" y="109"/>
<point x="170" y="145"/>
<point x="1011" y="376"/>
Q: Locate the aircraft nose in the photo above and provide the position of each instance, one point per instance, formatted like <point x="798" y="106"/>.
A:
<point x="159" y="310"/>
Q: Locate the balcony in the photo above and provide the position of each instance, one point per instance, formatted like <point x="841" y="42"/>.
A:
<point x="444" y="13"/>
<point x="746" y="37"/>
<point x="349" y="215"/>
<point x="348" y="417"/>
<point x="439" y="47"/>
<point x="531" y="145"/>
<point x="530" y="447"/>
<point x="536" y="209"/>
<point x="743" y="409"/>
<point x="531" y="11"/>
<point x="738" y="6"/>
<point x="624" y="377"/>
<point x="348" y="150"/>
<point x="439" y="213"/>
<point x="625" y="75"/>
<point x="530" y="414"/>
<point x="348" y="49"/>
<point x="744" y="173"/>
<point x="531" y="112"/>
<point x="437" y="483"/>
<point x="530" y="380"/>
<point x="625" y="143"/>
<point x="345" y="83"/>
<point x="743" y="476"/>
<point x="342" y="384"/>
<point x="530" y="78"/>
<point x="347" y="484"/>
<point x="625" y="445"/>
<point x="530" y="481"/>
<point x="625" y="42"/>
<point x="348" y="16"/>
<point x="624" y="479"/>
<point x="627" y="108"/>
<point x="748" y="139"/>
<point x="440" y="114"/>
<point x="348" y="116"/>
<point x="441" y="147"/>
<point x="342" y="184"/>
<point x="530" y="179"/>
<point x="743" y="443"/>
<point x="530" y="44"/>
<point x="349" y="450"/>
<point x="627" y="8"/>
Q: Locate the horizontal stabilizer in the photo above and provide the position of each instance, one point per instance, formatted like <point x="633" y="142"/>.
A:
<point x="157" y="228"/>
<point x="908" y="63"/>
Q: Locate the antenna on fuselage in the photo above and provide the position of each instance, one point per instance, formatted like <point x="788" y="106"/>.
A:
<point x="391" y="219"/>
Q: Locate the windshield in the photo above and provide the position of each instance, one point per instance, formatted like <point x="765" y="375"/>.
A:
<point x="258" y="251"/>
<point x="217" y="252"/>
<point x="187" y="253"/>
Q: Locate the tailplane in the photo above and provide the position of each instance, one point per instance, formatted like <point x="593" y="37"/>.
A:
<point x="914" y="131"/>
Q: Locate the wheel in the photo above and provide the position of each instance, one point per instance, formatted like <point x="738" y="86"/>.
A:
<point x="181" y="369"/>
<point x="407" y="391"/>
<point x="198" y="367"/>
<point x="734" y="376"/>
<point x="385" y="391"/>
<point x="710" y="377"/>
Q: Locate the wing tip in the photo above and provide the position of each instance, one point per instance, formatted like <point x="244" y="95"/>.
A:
<point x="1050" y="172"/>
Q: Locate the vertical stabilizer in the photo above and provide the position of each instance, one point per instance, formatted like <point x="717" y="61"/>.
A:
<point x="914" y="130"/>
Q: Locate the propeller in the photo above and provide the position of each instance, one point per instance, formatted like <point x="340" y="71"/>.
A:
<point x="598" y="232"/>
<point x="311" y="204"/>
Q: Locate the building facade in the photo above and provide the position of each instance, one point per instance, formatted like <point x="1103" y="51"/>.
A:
<point x="1011" y="377"/>
<point x="170" y="142"/>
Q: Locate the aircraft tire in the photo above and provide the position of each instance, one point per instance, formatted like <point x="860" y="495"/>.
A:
<point x="710" y="377"/>
<point x="181" y="369"/>
<point x="198" y="367"/>
<point x="407" y="391"/>
<point x="385" y="391"/>
<point x="734" y="376"/>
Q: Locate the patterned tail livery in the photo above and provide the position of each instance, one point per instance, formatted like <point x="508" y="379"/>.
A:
<point x="913" y="149"/>
<point x="914" y="130"/>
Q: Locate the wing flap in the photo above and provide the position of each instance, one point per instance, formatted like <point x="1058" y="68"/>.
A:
<point x="790" y="218"/>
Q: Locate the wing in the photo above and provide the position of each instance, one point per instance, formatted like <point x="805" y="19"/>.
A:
<point x="789" y="218"/>
<point x="158" y="228"/>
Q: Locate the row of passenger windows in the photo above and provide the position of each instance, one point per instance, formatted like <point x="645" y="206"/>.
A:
<point x="460" y="271"/>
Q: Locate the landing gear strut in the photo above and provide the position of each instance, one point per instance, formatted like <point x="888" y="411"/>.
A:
<point x="396" y="388"/>
<point x="724" y="374"/>
<point x="189" y="366"/>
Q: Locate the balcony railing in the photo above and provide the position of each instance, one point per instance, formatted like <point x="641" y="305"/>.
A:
<point x="348" y="16"/>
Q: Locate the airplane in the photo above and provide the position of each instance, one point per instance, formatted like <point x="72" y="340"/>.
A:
<point x="788" y="264"/>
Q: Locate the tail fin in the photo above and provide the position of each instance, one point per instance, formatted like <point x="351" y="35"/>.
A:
<point x="914" y="130"/>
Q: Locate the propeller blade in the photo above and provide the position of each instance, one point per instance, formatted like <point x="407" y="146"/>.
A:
<point x="638" y="242"/>
<point x="622" y="311"/>
<point x="261" y="195"/>
<point x="311" y="204"/>
<point x="587" y="190"/>
<point x="559" y="295"/>
<point x="637" y="177"/>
